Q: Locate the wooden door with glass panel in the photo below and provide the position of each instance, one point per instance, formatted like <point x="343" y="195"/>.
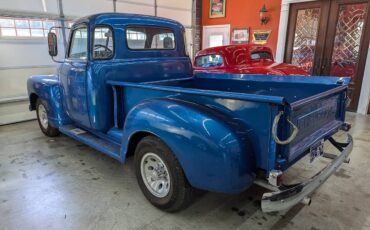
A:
<point x="330" y="38"/>
<point x="346" y="44"/>
<point x="306" y="35"/>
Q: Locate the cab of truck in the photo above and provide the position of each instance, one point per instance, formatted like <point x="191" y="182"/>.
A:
<point x="111" y="46"/>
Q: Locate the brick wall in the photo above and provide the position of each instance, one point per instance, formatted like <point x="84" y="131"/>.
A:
<point x="198" y="27"/>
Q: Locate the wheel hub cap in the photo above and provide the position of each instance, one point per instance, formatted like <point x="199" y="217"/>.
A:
<point x="43" y="116"/>
<point x="155" y="175"/>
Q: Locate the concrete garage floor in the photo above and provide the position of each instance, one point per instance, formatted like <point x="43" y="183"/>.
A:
<point x="59" y="183"/>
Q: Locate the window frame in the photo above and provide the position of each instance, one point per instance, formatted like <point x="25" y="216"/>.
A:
<point x="73" y="29"/>
<point x="113" y="40"/>
<point x="187" y="53"/>
<point x="44" y="29"/>
<point x="222" y="57"/>
<point x="149" y="49"/>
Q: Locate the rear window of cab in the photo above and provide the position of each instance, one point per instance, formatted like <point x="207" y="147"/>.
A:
<point x="150" y="38"/>
<point x="261" y="55"/>
<point x="207" y="61"/>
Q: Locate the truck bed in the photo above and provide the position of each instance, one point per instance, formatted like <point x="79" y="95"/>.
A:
<point x="316" y="105"/>
<point x="292" y="89"/>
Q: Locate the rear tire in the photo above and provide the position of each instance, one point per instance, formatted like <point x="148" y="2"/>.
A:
<point x="160" y="176"/>
<point x="42" y="118"/>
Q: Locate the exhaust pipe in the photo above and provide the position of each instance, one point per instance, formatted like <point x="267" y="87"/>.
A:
<point x="306" y="201"/>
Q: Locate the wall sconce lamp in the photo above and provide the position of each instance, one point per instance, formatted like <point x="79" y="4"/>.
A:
<point x="263" y="18"/>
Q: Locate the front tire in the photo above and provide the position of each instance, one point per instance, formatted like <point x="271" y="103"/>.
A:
<point x="42" y="118"/>
<point x="160" y="176"/>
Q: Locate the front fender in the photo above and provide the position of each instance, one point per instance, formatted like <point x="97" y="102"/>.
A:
<point x="46" y="87"/>
<point x="212" y="148"/>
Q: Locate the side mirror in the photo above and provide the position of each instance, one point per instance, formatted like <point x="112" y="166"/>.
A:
<point x="52" y="44"/>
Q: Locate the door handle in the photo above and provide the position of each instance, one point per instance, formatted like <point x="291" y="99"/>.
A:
<point x="325" y="64"/>
<point x="77" y="69"/>
<point x="316" y="66"/>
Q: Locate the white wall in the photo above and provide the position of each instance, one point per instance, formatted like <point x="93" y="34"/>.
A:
<point x="31" y="52"/>
<point x="18" y="60"/>
<point x="143" y="7"/>
<point x="21" y="58"/>
<point x="180" y="11"/>
<point x="80" y="8"/>
<point x="365" y="90"/>
<point x="34" y="6"/>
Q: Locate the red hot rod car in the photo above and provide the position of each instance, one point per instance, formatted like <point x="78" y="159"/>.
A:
<point x="243" y="59"/>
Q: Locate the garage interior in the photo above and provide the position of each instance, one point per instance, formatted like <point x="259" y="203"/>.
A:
<point x="53" y="183"/>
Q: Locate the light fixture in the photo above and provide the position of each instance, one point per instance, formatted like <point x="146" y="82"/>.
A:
<point x="263" y="18"/>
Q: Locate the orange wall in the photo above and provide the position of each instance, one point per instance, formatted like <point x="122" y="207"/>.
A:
<point x="245" y="13"/>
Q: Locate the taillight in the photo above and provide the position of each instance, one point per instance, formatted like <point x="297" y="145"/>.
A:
<point x="275" y="178"/>
<point x="279" y="180"/>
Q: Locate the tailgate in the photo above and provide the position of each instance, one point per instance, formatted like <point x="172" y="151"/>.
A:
<point x="317" y="118"/>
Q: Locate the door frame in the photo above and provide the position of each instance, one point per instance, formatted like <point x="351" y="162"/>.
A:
<point x="76" y="66"/>
<point x="214" y="26"/>
<point x="364" y="92"/>
<point x="321" y="33"/>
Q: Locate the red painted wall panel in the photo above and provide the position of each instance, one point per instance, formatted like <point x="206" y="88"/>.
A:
<point x="245" y="13"/>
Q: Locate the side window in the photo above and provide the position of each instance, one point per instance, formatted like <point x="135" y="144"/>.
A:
<point x="147" y="38"/>
<point x="207" y="61"/>
<point x="103" y="43"/>
<point x="78" y="48"/>
<point x="261" y="55"/>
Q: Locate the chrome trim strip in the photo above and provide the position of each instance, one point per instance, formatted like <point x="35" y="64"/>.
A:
<point x="26" y="67"/>
<point x="13" y="99"/>
<point x="33" y="15"/>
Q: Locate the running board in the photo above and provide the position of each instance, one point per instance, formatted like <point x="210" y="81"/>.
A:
<point x="91" y="140"/>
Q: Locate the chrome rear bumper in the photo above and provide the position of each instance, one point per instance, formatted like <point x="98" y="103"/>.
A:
<point x="286" y="198"/>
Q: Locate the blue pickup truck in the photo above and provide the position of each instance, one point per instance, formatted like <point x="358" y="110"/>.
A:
<point x="126" y="87"/>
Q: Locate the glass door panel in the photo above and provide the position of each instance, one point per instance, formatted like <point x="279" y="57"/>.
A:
<point x="305" y="37"/>
<point x="347" y="40"/>
<point x="346" y="45"/>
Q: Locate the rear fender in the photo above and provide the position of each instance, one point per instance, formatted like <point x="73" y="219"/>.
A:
<point x="212" y="149"/>
<point x="46" y="88"/>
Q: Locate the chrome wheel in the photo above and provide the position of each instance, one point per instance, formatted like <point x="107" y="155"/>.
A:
<point x="155" y="175"/>
<point x="43" y="116"/>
